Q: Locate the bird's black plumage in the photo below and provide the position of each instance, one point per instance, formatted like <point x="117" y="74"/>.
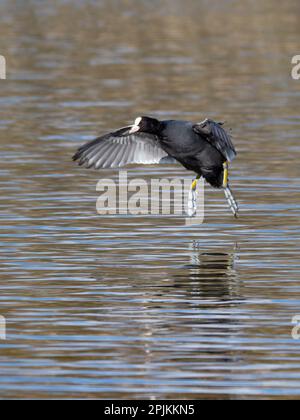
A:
<point x="215" y="134"/>
<point x="202" y="148"/>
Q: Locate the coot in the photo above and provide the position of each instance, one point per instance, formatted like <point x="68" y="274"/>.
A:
<point x="205" y="148"/>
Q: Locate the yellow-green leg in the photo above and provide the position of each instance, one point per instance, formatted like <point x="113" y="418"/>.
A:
<point x="226" y="174"/>
<point x="192" y="204"/>
<point x="195" y="183"/>
<point x="228" y="194"/>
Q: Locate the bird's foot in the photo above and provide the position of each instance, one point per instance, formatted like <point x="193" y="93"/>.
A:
<point x="231" y="201"/>
<point x="228" y="194"/>
<point x="193" y="195"/>
<point x="192" y="204"/>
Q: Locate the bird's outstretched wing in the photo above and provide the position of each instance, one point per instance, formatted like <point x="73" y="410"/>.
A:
<point x="215" y="134"/>
<point x="122" y="148"/>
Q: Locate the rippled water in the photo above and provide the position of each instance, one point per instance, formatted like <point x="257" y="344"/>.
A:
<point x="146" y="307"/>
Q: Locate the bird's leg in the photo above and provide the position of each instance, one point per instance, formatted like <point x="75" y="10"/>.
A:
<point x="195" y="183"/>
<point x="192" y="204"/>
<point x="228" y="194"/>
<point x="225" y="174"/>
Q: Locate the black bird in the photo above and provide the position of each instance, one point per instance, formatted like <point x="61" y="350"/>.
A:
<point x="205" y="148"/>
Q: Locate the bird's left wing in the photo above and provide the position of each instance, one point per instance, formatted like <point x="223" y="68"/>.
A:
<point x="122" y="148"/>
<point x="215" y="134"/>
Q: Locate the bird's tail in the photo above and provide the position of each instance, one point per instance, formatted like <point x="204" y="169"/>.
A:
<point x="231" y="201"/>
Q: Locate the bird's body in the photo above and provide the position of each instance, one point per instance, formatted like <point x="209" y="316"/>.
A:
<point x="204" y="148"/>
<point x="193" y="151"/>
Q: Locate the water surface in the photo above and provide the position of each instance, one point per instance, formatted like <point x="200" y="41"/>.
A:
<point x="145" y="307"/>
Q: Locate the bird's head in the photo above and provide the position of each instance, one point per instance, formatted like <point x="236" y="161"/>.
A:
<point x="145" y="125"/>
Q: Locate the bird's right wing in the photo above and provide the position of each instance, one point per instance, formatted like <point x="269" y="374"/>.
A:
<point x="215" y="134"/>
<point x="122" y="148"/>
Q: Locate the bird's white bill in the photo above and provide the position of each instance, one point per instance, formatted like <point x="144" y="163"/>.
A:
<point x="134" y="129"/>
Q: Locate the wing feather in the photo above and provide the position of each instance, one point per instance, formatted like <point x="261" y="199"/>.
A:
<point x="215" y="134"/>
<point x="122" y="148"/>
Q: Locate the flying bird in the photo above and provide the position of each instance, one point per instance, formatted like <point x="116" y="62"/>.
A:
<point x="205" y="148"/>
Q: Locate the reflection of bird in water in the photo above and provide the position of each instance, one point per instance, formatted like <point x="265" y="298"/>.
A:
<point x="181" y="315"/>
<point x="211" y="274"/>
<point x="203" y="302"/>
